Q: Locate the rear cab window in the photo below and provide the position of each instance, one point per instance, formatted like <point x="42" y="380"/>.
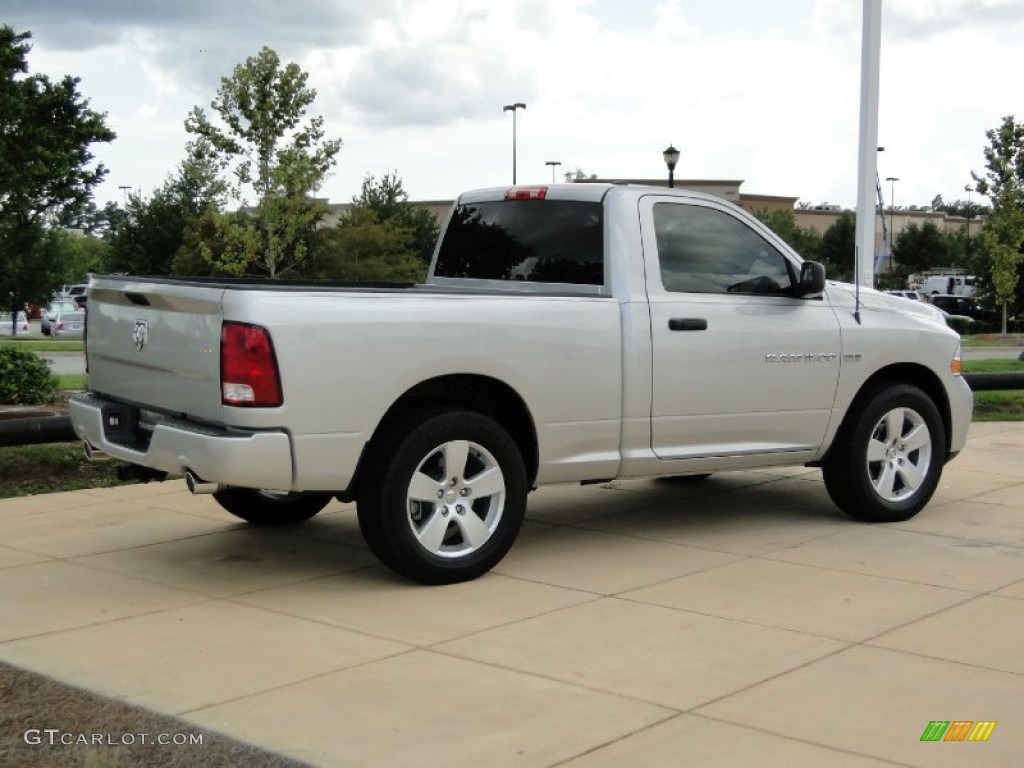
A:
<point x="532" y="240"/>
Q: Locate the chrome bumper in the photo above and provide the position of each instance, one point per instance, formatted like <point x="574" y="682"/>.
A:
<point x="228" y="457"/>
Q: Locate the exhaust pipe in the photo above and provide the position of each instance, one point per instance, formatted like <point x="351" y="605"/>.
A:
<point x="92" y="453"/>
<point x="198" y="486"/>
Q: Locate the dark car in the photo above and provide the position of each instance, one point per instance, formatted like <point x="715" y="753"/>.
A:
<point x="962" y="305"/>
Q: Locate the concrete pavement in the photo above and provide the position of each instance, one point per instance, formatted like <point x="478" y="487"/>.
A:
<point x="738" y="621"/>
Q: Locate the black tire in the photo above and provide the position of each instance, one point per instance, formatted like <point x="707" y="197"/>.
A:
<point x="435" y="524"/>
<point x="271" y="508"/>
<point x="876" y="475"/>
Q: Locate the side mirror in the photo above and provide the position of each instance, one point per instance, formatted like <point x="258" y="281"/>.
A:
<point x="812" y="279"/>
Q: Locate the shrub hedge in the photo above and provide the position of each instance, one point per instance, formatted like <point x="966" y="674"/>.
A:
<point x="25" y="377"/>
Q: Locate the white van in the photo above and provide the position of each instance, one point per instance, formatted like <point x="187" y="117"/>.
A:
<point x="955" y="285"/>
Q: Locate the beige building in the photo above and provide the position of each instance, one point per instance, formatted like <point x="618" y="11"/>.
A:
<point x="897" y="221"/>
<point x="819" y="218"/>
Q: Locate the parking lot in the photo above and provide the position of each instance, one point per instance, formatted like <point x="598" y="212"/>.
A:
<point x="737" y="621"/>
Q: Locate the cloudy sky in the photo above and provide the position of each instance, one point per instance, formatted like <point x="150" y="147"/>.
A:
<point x="766" y="92"/>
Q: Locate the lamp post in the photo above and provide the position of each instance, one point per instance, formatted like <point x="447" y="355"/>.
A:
<point x="553" y="163"/>
<point x="968" y="190"/>
<point x="124" y="192"/>
<point x="512" y="108"/>
<point x="671" y="156"/>
<point x="892" y="207"/>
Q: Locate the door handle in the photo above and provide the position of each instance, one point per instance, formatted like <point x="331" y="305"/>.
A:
<point x="687" y="324"/>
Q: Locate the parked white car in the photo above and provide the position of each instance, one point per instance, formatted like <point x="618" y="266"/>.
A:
<point x="913" y="295"/>
<point x="54" y="308"/>
<point x="69" y="325"/>
<point x="20" y="327"/>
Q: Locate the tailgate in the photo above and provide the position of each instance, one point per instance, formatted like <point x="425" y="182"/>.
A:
<point x="156" y="344"/>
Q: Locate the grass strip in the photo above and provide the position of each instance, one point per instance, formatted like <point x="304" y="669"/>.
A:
<point x="46" y="345"/>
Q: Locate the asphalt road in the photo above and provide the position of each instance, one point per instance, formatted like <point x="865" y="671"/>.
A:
<point x="992" y="353"/>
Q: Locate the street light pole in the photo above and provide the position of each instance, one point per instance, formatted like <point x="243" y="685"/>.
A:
<point x="553" y="163"/>
<point x="892" y="207"/>
<point x="968" y="190"/>
<point x="124" y="192"/>
<point x="671" y="157"/>
<point x="512" y="108"/>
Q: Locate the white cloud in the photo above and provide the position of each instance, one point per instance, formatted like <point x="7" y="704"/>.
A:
<point x="768" y="94"/>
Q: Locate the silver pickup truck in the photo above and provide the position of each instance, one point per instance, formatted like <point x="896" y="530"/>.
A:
<point x="567" y="333"/>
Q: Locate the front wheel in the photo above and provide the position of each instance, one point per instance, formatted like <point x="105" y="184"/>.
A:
<point x="271" y="508"/>
<point x="444" y="496"/>
<point x="886" y="463"/>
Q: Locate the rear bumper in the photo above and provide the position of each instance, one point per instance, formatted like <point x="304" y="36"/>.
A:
<point x="248" y="459"/>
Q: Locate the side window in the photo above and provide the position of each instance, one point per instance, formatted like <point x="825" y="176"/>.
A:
<point x="704" y="250"/>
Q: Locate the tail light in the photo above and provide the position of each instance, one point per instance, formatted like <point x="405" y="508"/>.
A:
<point x="248" y="367"/>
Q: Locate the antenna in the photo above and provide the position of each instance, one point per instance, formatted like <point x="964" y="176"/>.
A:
<point x="856" y="282"/>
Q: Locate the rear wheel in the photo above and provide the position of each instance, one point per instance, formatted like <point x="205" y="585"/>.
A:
<point x="886" y="464"/>
<point x="271" y="508"/>
<point x="443" y="497"/>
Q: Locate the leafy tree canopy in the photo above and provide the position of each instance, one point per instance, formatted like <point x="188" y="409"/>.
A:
<point x="972" y="208"/>
<point x="261" y="143"/>
<point x="366" y="249"/>
<point x="838" y="247"/>
<point x="803" y="240"/>
<point x="578" y="174"/>
<point x="1002" y="237"/>
<point x="919" y="248"/>
<point x="46" y="171"/>
<point x="388" y="200"/>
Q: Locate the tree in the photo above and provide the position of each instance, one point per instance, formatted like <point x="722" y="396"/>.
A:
<point x="150" y="233"/>
<point x="1002" y="236"/>
<point x="578" y="174"/>
<point x="382" y="237"/>
<point x="390" y="203"/>
<point x="146" y="237"/>
<point x="838" y="247"/>
<point x="958" y="207"/>
<point x="919" y="248"/>
<point x="263" y="144"/>
<point x="218" y="244"/>
<point x="77" y="254"/>
<point x="46" y="129"/>
<point x="803" y="240"/>
<point x="362" y="248"/>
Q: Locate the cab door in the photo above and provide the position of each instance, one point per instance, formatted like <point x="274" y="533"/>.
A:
<point x="741" y="365"/>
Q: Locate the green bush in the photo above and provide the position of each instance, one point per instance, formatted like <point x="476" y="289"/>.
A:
<point x="25" y="377"/>
<point x="960" y="324"/>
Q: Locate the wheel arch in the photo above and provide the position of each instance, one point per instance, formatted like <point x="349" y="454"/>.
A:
<point x="900" y="373"/>
<point x="474" y="392"/>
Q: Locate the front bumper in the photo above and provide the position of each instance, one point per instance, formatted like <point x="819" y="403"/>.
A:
<point x="222" y="455"/>
<point x="961" y="409"/>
